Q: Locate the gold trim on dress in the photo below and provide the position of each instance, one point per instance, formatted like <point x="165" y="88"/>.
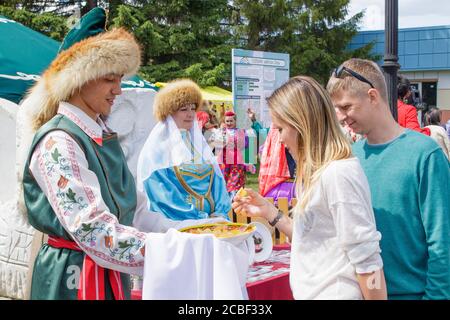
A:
<point x="190" y="174"/>
<point x="200" y="199"/>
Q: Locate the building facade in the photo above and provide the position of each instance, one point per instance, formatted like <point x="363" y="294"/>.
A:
<point x="424" y="58"/>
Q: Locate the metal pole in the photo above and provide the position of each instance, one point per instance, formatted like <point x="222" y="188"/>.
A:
<point x="391" y="65"/>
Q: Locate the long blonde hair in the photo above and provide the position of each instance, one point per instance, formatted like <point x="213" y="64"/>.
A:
<point x="304" y="104"/>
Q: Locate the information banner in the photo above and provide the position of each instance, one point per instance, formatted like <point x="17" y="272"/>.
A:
<point x="255" y="75"/>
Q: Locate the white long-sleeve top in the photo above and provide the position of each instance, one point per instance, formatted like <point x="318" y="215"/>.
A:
<point x="336" y="237"/>
<point x="125" y="253"/>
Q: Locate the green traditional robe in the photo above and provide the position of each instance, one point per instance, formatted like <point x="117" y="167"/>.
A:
<point x="56" y="271"/>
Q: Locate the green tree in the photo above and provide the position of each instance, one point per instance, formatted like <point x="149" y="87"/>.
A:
<point x="194" y="38"/>
<point x="59" y="7"/>
<point x="47" y="23"/>
<point x="315" y="33"/>
<point x="181" y="38"/>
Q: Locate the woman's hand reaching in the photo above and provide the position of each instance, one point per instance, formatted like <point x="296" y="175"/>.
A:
<point x="250" y="203"/>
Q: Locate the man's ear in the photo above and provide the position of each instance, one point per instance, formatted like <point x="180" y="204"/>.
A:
<point x="374" y="96"/>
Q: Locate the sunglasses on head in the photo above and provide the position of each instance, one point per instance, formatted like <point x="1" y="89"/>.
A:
<point x="338" y="73"/>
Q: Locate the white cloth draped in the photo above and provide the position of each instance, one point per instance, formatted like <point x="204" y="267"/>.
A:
<point x="165" y="148"/>
<point x="182" y="266"/>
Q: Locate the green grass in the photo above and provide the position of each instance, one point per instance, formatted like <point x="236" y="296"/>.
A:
<point x="252" y="179"/>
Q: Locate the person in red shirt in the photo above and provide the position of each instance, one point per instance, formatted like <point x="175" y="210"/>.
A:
<point x="203" y="119"/>
<point x="206" y="117"/>
<point x="407" y="114"/>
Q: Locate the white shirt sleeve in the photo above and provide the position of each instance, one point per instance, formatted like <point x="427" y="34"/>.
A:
<point x="61" y="170"/>
<point x="149" y="221"/>
<point x="349" y="200"/>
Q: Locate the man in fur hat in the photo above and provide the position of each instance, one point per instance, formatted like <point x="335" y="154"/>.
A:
<point x="77" y="187"/>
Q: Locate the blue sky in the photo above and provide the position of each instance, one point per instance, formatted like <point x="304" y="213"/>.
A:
<point x="412" y="13"/>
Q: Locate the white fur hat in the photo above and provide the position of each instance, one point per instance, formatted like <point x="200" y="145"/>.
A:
<point x="112" y="52"/>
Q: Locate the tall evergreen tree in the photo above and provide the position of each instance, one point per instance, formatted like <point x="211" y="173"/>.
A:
<point x="181" y="38"/>
<point x="61" y="7"/>
<point x="193" y="38"/>
<point x="48" y="23"/>
<point x="314" y="32"/>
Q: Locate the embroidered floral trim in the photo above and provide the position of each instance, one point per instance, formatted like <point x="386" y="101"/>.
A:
<point x="107" y="258"/>
<point x="92" y="233"/>
<point x="76" y="172"/>
<point x="91" y="133"/>
<point x="58" y="174"/>
<point x="53" y="161"/>
<point x="56" y="164"/>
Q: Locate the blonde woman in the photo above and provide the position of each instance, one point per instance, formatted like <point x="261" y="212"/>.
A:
<point x="335" y="245"/>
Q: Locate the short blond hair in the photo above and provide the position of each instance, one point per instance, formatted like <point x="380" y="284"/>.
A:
<point x="175" y="95"/>
<point x="368" y="69"/>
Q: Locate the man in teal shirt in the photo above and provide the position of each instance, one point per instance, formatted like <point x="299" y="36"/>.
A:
<point x="409" y="177"/>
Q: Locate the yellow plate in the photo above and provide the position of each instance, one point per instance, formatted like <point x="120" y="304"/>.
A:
<point x="221" y="230"/>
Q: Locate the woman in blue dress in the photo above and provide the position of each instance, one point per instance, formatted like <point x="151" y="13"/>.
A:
<point x="176" y="167"/>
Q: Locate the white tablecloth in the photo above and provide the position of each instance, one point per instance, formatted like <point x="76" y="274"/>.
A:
<point x="182" y="266"/>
